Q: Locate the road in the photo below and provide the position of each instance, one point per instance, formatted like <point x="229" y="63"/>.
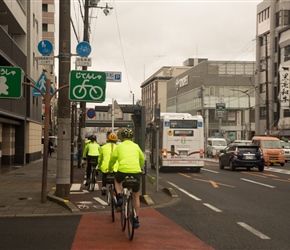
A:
<point x="219" y="209"/>
<point x="244" y="209"/>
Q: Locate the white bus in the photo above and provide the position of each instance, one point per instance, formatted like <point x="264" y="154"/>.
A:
<point x="181" y="142"/>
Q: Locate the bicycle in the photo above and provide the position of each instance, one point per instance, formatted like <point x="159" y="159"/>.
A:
<point x="93" y="177"/>
<point x="112" y="200"/>
<point x="128" y="214"/>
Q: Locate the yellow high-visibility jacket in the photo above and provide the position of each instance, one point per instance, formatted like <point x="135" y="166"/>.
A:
<point x="129" y="156"/>
<point x="105" y="155"/>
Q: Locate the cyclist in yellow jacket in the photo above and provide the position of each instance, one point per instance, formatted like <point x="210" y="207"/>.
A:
<point x="131" y="160"/>
<point x="104" y="158"/>
<point x="91" y="151"/>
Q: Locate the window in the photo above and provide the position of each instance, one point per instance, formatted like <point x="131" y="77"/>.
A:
<point x="262" y="87"/>
<point x="287" y="53"/>
<point x="44" y="27"/>
<point x="263" y="112"/>
<point x="44" y="7"/>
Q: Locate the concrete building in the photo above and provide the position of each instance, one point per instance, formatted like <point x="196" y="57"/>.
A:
<point x="48" y="31"/>
<point x="200" y="88"/>
<point x="272" y="64"/>
<point x="154" y="89"/>
<point x="20" y="119"/>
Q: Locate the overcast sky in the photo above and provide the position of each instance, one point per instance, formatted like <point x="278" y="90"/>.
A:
<point x="139" y="37"/>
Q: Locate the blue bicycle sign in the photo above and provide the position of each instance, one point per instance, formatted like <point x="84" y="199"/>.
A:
<point x="87" y="86"/>
<point x="84" y="49"/>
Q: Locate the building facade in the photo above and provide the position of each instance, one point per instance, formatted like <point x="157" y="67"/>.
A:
<point x="272" y="57"/>
<point x="200" y="88"/>
<point x="20" y="119"/>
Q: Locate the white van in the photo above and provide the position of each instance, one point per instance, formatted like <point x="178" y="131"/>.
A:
<point x="214" y="145"/>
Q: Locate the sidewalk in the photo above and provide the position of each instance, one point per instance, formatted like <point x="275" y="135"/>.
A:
<point x="20" y="192"/>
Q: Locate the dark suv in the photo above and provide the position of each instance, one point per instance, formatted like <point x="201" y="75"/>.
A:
<point x="238" y="155"/>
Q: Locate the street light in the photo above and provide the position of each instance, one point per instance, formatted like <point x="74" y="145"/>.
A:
<point x="249" y="107"/>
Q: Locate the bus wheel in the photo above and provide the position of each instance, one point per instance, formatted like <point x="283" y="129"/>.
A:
<point x="194" y="170"/>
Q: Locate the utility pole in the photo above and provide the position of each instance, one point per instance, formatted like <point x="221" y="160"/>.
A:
<point x="249" y="107"/>
<point x="82" y="118"/>
<point x="267" y="88"/>
<point x="63" y="115"/>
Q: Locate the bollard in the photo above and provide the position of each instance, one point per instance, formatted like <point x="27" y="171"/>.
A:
<point x="216" y="156"/>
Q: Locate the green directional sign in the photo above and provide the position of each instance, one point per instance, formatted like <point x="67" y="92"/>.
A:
<point x="10" y="82"/>
<point x="88" y="86"/>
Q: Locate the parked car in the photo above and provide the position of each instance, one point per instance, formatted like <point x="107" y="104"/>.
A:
<point x="214" y="145"/>
<point x="240" y="155"/>
<point x="286" y="146"/>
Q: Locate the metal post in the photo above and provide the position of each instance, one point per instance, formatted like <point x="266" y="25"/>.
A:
<point x="157" y="121"/>
<point x="249" y="127"/>
<point x="45" y="143"/>
<point x="113" y="115"/>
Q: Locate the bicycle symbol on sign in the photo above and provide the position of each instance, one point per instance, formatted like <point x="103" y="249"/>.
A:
<point x="80" y="91"/>
<point x="84" y="49"/>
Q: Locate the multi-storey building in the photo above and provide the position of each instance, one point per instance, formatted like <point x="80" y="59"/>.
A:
<point x="48" y="31"/>
<point x="20" y="119"/>
<point x="272" y="64"/>
<point x="204" y="86"/>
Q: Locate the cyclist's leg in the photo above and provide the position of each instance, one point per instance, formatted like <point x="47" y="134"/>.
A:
<point x="119" y="177"/>
<point x="104" y="188"/>
<point x="136" y="200"/>
<point x="88" y="169"/>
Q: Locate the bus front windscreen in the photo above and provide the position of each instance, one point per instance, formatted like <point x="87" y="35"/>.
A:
<point x="183" y="123"/>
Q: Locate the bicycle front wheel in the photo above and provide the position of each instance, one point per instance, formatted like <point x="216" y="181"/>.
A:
<point x="130" y="218"/>
<point x="123" y="214"/>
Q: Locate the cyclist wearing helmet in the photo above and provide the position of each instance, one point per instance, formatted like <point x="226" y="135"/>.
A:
<point x="104" y="158"/>
<point x="91" y="151"/>
<point x="131" y="159"/>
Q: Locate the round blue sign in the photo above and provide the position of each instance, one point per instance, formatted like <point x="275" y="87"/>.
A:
<point x="84" y="49"/>
<point x="91" y="113"/>
<point x="45" y="47"/>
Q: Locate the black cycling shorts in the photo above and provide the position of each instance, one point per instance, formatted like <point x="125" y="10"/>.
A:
<point x="119" y="177"/>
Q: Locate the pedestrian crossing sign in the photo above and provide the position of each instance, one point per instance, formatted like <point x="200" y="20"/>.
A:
<point x="41" y="84"/>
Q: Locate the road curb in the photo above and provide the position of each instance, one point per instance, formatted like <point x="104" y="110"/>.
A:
<point x="65" y="203"/>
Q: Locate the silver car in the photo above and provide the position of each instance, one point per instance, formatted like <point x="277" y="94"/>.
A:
<point x="286" y="147"/>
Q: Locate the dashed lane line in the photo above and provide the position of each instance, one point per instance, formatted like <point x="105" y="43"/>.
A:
<point x="212" y="207"/>
<point x="258" y="183"/>
<point x="184" y="191"/>
<point x="254" y="231"/>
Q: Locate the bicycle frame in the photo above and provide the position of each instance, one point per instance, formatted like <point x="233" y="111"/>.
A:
<point x="93" y="175"/>
<point x="111" y="195"/>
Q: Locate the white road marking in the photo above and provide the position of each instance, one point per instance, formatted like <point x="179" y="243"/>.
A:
<point x="80" y="192"/>
<point x="185" y="192"/>
<point x="254" y="231"/>
<point x="258" y="183"/>
<point x="212" y="207"/>
<point x="75" y="187"/>
<point x="100" y="201"/>
<point x="277" y="170"/>
<point x="209" y="170"/>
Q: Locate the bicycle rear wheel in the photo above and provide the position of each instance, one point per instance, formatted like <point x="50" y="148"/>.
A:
<point x="93" y="180"/>
<point x="130" y="218"/>
<point x="123" y="215"/>
<point x="112" y="203"/>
